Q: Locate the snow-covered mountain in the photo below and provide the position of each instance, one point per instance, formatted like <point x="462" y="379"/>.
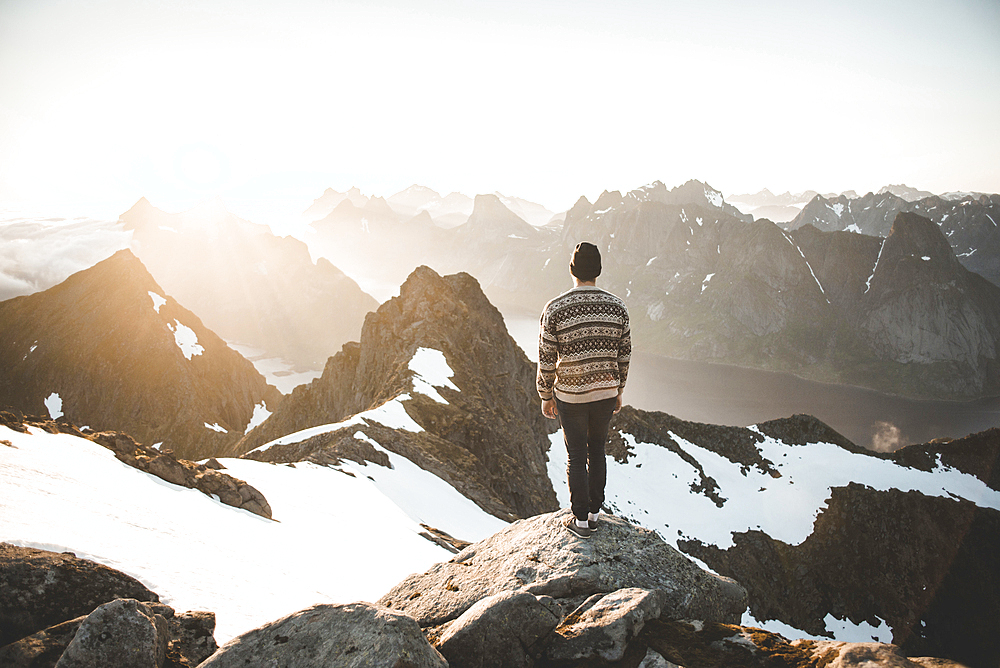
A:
<point x="779" y="208"/>
<point x="971" y="223"/>
<point x="328" y="201"/>
<point x="484" y="433"/>
<point x="112" y="350"/>
<point x="253" y="288"/>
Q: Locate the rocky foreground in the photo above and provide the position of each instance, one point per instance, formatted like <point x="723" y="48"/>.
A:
<point x="531" y="595"/>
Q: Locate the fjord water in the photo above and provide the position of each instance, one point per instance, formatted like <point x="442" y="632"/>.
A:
<point x="730" y="395"/>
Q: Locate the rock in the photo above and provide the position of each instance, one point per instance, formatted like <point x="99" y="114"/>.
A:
<point x="124" y="633"/>
<point x="653" y="659"/>
<point x="121" y="359"/>
<point x="540" y="556"/>
<point x="39" y="589"/>
<point x="831" y="654"/>
<point x="42" y="649"/>
<point x="169" y="469"/>
<point x="499" y="631"/>
<point x="347" y="636"/>
<point x="192" y="638"/>
<point x="604" y="625"/>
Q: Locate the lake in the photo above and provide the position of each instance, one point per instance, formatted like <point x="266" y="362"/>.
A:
<point x="729" y="395"/>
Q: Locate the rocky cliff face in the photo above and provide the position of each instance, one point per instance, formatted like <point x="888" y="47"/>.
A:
<point x="480" y="427"/>
<point x="888" y="541"/>
<point x="111" y="350"/>
<point x="248" y="285"/>
<point x="970" y="223"/>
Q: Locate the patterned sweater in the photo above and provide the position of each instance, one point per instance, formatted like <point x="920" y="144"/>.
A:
<point x="584" y="345"/>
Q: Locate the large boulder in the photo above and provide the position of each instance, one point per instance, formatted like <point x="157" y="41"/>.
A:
<point x="500" y="631"/>
<point x="347" y="636"/>
<point x="604" y="625"/>
<point x="540" y="556"/>
<point x="124" y="633"/>
<point x="39" y="589"/>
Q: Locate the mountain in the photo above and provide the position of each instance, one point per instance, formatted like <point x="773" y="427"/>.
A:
<point x="110" y="349"/>
<point x="905" y="192"/>
<point x="826" y="537"/>
<point x="535" y="214"/>
<point x="326" y="203"/>
<point x="971" y="223"/>
<point x="437" y="361"/>
<point x="780" y="208"/>
<point x="449" y="211"/>
<point x="250" y="286"/>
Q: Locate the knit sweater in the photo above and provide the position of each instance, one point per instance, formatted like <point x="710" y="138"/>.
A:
<point x="584" y="345"/>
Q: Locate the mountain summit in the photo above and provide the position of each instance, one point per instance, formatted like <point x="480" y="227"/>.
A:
<point x="109" y="349"/>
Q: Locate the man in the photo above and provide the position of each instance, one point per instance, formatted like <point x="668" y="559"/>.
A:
<point x="584" y="347"/>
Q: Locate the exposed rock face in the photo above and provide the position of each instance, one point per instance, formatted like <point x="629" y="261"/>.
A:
<point x="123" y="633"/>
<point x="541" y="557"/>
<point x="937" y="592"/>
<point x="46" y="598"/>
<point x="116" y="353"/>
<point x="506" y="629"/>
<point x="971" y="223"/>
<point x="358" y="634"/>
<point x="976" y="454"/>
<point x="230" y="491"/>
<point x="248" y="285"/>
<point x="860" y="655"/>
<point x="39" y="589"/>
<point x="489" y="438"/>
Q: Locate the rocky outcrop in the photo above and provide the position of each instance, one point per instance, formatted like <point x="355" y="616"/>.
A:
<point x="540" y="556"/>
<point x="110" y="350"/>
<point x="56" y="609"/>
<point x="39" y="589"/>
<point x="925" y="565"/>
<point x="206" y="479"/>
<point x="123" y="633"/>
<point x="248" y="285"/>
<point x="354" y="635"/>
<point x="487" y="437"/>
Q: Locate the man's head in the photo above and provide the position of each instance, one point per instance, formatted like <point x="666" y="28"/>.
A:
<point x="586" y="263"/>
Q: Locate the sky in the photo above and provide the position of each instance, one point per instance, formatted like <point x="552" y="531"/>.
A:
<point x="266" y="104"/>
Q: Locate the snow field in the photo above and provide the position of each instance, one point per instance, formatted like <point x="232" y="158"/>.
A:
<point x="337" y="538"/>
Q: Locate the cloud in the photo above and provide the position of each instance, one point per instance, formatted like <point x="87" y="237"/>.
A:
<point x="887" y="437"/>
<point x="37" y="253"/>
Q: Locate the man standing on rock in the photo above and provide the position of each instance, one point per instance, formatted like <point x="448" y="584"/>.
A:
<point x="584" y="347"/>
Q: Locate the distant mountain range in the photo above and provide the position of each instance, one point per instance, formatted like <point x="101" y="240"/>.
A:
<point x="110" y="349"/>
<point x="446" y="211"/>
<point x="248" y="285"/>
<point x="971" y="223"/>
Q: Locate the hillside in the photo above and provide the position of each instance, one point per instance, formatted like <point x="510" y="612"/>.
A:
<point x="111" y="350"/>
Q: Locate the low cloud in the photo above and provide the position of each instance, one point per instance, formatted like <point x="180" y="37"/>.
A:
<point x="37" y="253"/>
<point x="887" y="437"/>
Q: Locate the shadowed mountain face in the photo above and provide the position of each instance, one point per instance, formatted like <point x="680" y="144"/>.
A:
<point x="112" y="350"/>
<point x="483" y="433"/>
<point x="249" y="286"/>
<point x="971" y="224"/>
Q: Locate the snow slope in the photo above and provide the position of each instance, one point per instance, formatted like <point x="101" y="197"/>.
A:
<point x="654" y="489"/>
<point x="337" y="538"/>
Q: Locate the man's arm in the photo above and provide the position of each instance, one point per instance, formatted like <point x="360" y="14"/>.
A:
<point x="548" y="355"/>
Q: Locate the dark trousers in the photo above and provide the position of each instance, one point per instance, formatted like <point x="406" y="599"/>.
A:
<point x="585" y="429"/>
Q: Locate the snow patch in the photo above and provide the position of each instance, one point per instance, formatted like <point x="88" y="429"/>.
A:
<point x="704" y="283"/>
<point x="991" y="220"/>
<point x="853" y="227"/>
<point x="847" y="631"/>
<point x="186" y="339"/>
<point x="260" y="413"/>
<point x="838" y="209"/>
<point x="714" y="197"/>
<point x="868" y="283"/>
<point x="215" y="426"/>
<point x="650" y="261"/>
<point x="158" y="301"/>
<point x="431" y="370"/>
<point x="925" y="258"/>
<point x="54" y="404"/>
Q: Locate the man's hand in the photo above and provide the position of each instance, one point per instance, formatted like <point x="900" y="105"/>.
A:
<point x="549" y="409"/>
<point x="618" y="405"/>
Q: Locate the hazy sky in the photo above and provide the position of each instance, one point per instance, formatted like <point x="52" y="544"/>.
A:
<point x="268" y="103"/>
